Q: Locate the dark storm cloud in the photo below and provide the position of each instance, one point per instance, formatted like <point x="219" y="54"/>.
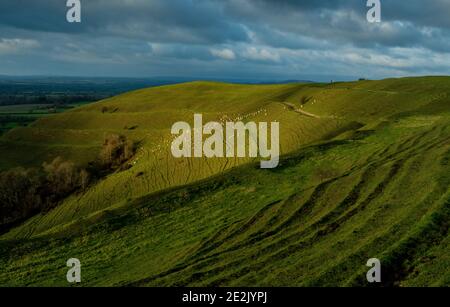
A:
<point x="406" y="23"/>
<point x="226" y="37"/>
<point x="221" y="21"/>
<point x="160" y="20"/>
<point x="434" y="13"/>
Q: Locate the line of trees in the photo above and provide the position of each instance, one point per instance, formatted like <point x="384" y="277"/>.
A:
<point x="26" y="192"/>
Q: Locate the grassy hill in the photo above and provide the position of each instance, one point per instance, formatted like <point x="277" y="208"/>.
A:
<point x="364" y="174"/>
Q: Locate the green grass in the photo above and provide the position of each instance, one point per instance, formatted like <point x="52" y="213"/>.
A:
<point x="13" y="116"/>
<point x="343" y="192"/>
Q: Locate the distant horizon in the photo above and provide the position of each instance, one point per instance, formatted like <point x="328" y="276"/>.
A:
<point x="181" y="79"/>
<point x="189" y="78"/>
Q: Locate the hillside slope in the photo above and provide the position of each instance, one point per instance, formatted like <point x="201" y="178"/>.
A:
<point x="77" y="136"/>
<point x="373" y="182"/>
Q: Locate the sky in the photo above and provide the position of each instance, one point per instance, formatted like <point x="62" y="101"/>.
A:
<point x="226" y="39"/>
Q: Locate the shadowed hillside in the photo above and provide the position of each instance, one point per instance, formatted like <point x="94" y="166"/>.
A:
<point x="364" y="174"/>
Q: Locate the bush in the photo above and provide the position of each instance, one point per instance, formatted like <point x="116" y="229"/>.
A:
<point x="24" y="193"/>
<point x="19" y="194"/>
<point x="63" y="177"/>
<point x="116" y="150"/>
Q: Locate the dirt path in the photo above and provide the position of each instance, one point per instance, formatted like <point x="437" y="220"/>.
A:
<point x="292" y="107"/>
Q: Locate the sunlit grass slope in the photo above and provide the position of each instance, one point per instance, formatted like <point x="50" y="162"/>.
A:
<point x="366" y="176"/>
<point x="381" y="192"/>
<point x="146" y="116"/>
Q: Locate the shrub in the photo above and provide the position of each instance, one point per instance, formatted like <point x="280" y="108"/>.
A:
<point x="19" y="194"/>
<point x="25" y="192"/>
<point x="116" y="150"/>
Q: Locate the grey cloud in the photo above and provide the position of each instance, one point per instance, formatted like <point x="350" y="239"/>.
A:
<point x="225" y="37"/>
<point x="159" y="20"/>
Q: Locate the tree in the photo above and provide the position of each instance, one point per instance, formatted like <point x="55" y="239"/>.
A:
<point x="19" y="194"/>
<point x="64" y="177"/>
<point x="84" y="179"/>
<point x="116" y="150"/>
<point x="25" y="192"/>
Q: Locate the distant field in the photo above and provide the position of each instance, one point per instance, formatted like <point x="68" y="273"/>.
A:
<point x="12" y="116"/>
